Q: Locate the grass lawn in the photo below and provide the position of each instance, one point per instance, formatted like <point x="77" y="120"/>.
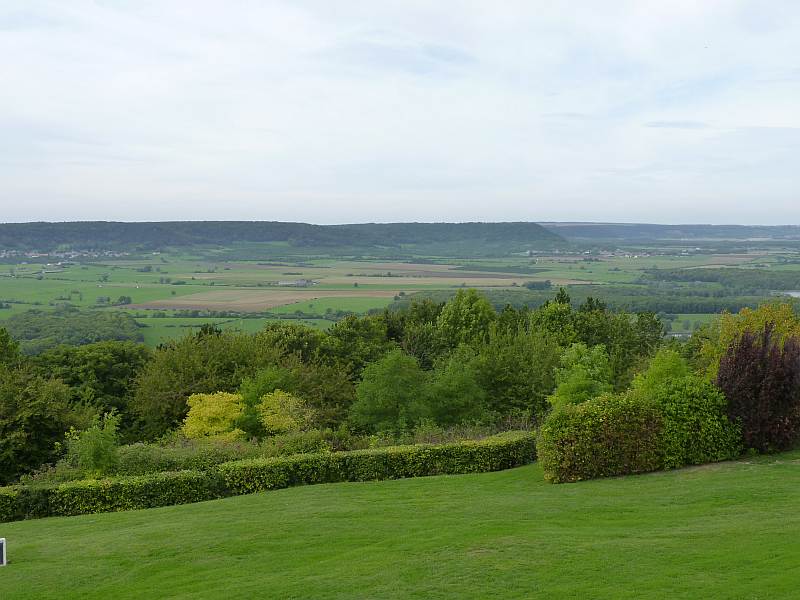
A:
<point x="729" y="530"/>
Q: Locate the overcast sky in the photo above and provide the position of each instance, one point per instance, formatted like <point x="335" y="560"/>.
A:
<point x="335" y="111"/>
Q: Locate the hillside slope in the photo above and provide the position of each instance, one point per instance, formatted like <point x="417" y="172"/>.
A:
<point x="101" y="235"/>
<point x="727" y="530"/>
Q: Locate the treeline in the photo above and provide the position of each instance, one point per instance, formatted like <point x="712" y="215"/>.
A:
<point x="749" y="280"/>
<point x="635" y="299"/>
<point x="98" y="236"/>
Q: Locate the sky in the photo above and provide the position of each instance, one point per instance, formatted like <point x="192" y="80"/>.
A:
<point x="335" y="112"/>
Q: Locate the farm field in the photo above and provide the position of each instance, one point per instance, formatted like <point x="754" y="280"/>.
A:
<point x="676" y="534"/>
<point x="321" y="289"/>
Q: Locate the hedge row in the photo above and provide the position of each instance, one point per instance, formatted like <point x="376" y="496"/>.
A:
<point x="502" y="451"/>
<point x="108" y="495"/>
<point x="499" y="452"/>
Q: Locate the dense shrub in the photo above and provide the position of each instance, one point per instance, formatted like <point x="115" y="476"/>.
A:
<point x="94" y="450"/>
<point x="182" y="454"/>
<point x="304" y="442"/>
<point x="203" y="455"/>
<point x="606" y="436"/>
<point x="253" y="389"/>
<point x="760" y="376"/>
<point x="659" y="424"/>
<point x="326" y="389"/>
<point x="491" y="454"/>
<point x="141" y="459"/>
<point x="696" y="425"/>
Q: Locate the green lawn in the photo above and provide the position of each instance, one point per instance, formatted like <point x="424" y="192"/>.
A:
<point x="729" y="530"/>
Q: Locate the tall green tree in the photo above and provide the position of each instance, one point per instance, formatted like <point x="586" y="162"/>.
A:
<point x="101" y="375"/>
<point x="354" y="342"/>
<point x="516" y="371"/>
<point x="466" y="319"/>
<point x="585" y="373"/>
<point x="391" y="395"/>
<point x="34" y="414"/>
<point x="454" y="394"/>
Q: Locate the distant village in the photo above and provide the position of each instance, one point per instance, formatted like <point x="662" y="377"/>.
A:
<point x="62" y="255"/>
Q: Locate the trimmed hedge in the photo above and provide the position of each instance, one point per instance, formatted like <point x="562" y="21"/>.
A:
<point x="108" y="495"/>
<point x="606" y="436"/>
<point x="8" y="504"/>
<point x="498" y="452"/>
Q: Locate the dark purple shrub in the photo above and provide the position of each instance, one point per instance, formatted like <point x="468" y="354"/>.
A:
<point x="760" y="376"/>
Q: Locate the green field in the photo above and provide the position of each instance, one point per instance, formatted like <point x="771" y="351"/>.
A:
<point x="727" y="530"/>
<point x="159" y="330"/>
<point x="687" y="323"/>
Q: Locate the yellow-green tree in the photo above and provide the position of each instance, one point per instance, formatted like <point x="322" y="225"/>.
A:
<point x="282" y="412"/>
<point x="729" y="328"/>
<point x="213" y="416"/>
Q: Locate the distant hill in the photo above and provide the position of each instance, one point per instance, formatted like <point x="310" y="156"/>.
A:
<point x="102" y="235"/>
<point x="633" y="232"/>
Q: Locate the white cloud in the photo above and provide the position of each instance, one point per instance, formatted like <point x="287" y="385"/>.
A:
<point x="353" y="111"/>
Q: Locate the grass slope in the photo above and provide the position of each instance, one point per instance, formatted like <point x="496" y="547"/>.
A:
<point x="723" y="531"/>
